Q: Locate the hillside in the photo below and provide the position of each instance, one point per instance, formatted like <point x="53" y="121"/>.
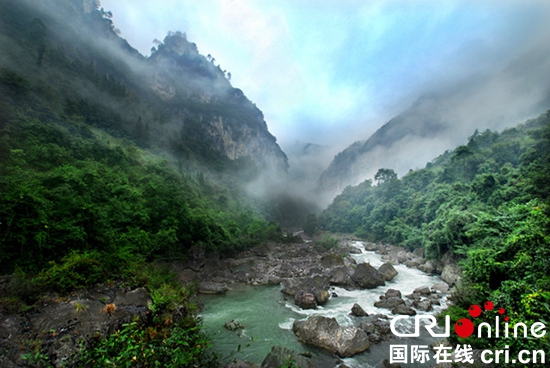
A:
<point x="485" y="203"/>
<point x="68" y="59"/>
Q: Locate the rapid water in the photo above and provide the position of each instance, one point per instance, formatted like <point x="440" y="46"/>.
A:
<point x="268" y="315"/>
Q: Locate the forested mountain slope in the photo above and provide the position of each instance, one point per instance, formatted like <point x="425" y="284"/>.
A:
<point x="486" y="202"/>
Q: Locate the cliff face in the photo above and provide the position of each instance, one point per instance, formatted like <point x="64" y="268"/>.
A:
<point x="176" y="99"/>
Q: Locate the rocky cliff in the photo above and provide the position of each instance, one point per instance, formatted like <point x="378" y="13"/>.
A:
<point x="174" y="99"/>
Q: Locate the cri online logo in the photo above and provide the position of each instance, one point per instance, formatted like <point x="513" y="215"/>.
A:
<point x="465" y="328"/>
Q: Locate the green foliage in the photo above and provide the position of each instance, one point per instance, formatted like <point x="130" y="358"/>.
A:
<point x="328" y="242"/>
<point x="76" y="270"/>
<point x="488" y="202"/>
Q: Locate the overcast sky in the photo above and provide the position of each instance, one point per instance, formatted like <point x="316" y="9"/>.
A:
<point x="324" y="70"/>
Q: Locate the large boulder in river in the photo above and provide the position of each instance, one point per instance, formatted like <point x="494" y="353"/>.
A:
<point x="279" y="356"/>
<point x="305" y="300"/>
<point x="341" y="276"/>
<point x="387" y="271"/>
<point x="317" y="285"/>
<point x="358" y="311"/>
<point x="367" y="276"/>
<point x="208" y="287"/>
<point x="327" y="334"/>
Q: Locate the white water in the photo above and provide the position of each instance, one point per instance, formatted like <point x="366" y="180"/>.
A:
<point x="268" y="316"/>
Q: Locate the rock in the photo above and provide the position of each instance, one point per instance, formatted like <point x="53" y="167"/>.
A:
<point x="208" y="287"/>
<point x="392" y="293"/>
<point x="422" y="290"/>
<point x="280" y="356"/>
<point x="357" y="311"/>
<point x="341" y="276"/>
<point x="367" y="276"/>
<point x="327" y="334"/>
<point x="441" y="286"/>
<point x="305" y="300"/>
<point x="418" y="252"/>
<point x="403" y="309"/>
<point x="371" y="247"/>
<point x="366" y="326"/>
<point x="428" y="267"/>
<point x="138" y="297"/>
<point x="413" y="263"/>
<point x="388" y="303"/>
<point x="424" y="305"/>
<point x="331" y="260"/>
<point x="451" y="274"/>
<point x="387" y="271"/>
<point x="317" y="285"/>
<point x="233" y="325"/>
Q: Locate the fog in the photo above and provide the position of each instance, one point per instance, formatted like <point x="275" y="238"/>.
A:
<point x="327" y="74"/>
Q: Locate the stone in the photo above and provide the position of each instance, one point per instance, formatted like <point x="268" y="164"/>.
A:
<point x="358" y="311"/>
<point x="388" y="303"/>
<point x="424" y="305"/>
<point x="387" y="271"/>
<point x="367" y="276"/>
<point x="451" y="274"/>
<point x="441" y="286"/>
<point x="340" y="276"/>
<point x="423" y="290"/>
<point x="392" y="293"/>
<point x="403" y="309"/>
<point x="305" y="300"/>
<point x="207" y="287"/>
<point x="327" y="334"/>
<point x="233" y="325"/>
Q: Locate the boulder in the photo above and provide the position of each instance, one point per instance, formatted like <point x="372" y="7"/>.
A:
<point x="280" y="356"/>
<point x="424" y="305"/>
<point x="451" y="274"/>
<point x="207" y="287"/>
<point x="367" y="276"/>
<point x="340" y="276"/>
<point x="233" y="325"/>
<point x="327" y="334"/>
<point x="428" y="267"/>
<point x="358" y="311"/>
<point x="387" y="271"/>
<point x="422" y="290"/>
<point x="392" y="293"/>
<point x="403" y="309"/>
<point x="441" y="286"/>
<point x="418" y="252"/>
<point x="388" y="303"/>
<point x="317" y="285"/>
<point x="305" y="300"/>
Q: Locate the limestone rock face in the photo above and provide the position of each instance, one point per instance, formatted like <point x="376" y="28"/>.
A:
<point x="327" y="334"/>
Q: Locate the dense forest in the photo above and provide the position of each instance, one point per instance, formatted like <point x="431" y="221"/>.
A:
<point x="97" y="188"/>
<point x="487" y="203"/>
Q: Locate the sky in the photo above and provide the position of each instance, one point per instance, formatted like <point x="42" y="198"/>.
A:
<point x="326" y="71"/>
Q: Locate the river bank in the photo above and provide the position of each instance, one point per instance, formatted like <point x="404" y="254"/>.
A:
<point x="249" y="285"/>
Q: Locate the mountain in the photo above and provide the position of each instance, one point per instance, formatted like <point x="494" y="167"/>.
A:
<point x="422" y="122"/>
<point x="175" y="100"/>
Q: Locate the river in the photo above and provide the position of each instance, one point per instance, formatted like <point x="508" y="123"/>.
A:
<point x="267" y="316"/>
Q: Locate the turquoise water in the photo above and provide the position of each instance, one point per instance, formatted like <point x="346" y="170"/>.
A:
<point x="267" y="317"/>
